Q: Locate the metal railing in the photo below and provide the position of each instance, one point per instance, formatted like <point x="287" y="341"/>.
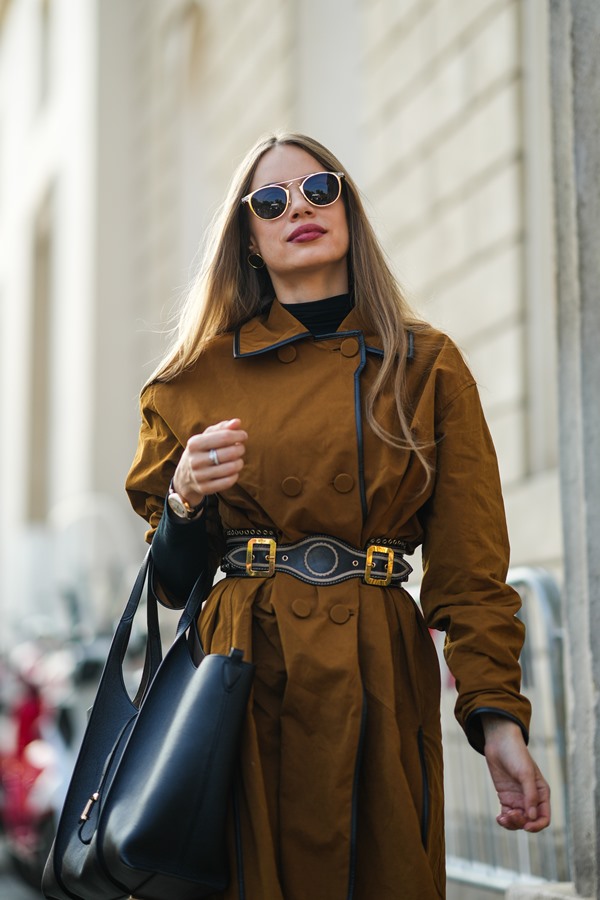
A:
<point x="479" y="852"/>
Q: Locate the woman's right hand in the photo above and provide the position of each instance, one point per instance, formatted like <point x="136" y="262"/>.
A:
<point x="197" y="475"/>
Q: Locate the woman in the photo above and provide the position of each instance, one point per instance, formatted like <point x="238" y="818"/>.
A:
<point x="308" y="429"/>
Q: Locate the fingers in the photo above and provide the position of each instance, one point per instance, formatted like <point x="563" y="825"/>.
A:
<point x="512" y="819"/>
<point x="539" y="806"/>
<point x="516" y="820"/>
<point x="528" y="806"/>
<point x="211" y="461"/>
<point x="222" y="431"/>
<point x="536" y="792"/>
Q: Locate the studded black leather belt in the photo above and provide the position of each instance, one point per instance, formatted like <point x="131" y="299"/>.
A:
<point x="319" y="559"/>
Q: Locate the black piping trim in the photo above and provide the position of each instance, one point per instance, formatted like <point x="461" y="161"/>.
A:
<point x="338" y="334"/>
<point x="354" y="814"/>
<point x="425" y="788"/>
<point x="237" y="353"/>
<point x="410" y="354"/>
<point x="359" y="428"/>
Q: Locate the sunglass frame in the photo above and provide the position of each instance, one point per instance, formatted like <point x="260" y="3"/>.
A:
<point x="284" y="185"/>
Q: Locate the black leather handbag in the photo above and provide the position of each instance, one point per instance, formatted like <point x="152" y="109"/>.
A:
<point x="146" y="810"/>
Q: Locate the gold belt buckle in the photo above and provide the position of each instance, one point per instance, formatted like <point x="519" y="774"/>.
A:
<point x="382" y="581"/>
<point x="260" y="542"/>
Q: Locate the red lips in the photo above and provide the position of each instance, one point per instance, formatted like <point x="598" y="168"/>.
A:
<point x="306" y="233"/>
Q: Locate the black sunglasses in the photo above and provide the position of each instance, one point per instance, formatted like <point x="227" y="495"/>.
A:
<point x="272" y="200"/>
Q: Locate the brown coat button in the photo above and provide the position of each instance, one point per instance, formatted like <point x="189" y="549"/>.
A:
<point x="343" y="483"/>
<point x="291" y="486"/>
<point x="301" y="608"/>
<point x="287" y="353"/>
<point x="349" y="347"/>
<point x="339" y="614"/>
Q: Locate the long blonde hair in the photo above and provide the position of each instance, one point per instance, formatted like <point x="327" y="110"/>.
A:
<point x="228" y="291"/>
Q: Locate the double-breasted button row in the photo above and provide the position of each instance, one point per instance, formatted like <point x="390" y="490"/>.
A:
<point x="302" y="608"/>
<point x="287" y="354"/>
<point x="292" y="486"/>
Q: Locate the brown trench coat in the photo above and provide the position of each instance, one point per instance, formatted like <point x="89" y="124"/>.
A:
<point x="342" y="768"/>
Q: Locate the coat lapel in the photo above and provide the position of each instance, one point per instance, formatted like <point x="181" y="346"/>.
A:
<point x="277" y="326"/>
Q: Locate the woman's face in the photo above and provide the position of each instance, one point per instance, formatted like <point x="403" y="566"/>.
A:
<point x="307" y="242"/>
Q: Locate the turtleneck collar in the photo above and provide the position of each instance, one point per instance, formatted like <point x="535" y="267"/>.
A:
<point x="321" y="316"/>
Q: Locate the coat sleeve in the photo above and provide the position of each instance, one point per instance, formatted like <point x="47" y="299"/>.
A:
<point x="158" y="453"/>
<point x="465" y="561"/>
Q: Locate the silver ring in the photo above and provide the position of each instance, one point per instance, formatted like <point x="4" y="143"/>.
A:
<point x="212" y="455"/>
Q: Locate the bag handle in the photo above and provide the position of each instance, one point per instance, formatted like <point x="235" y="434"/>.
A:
<point x="113" y="668"/>
<point x="192" y="608"/>
<point x="153" y="657"/>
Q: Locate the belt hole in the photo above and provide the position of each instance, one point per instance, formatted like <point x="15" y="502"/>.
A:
<point x="354" y="562"/>
<point x="285" y="558"/>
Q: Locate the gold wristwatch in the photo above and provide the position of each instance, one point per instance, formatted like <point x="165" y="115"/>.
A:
<point x="181" y="507"/>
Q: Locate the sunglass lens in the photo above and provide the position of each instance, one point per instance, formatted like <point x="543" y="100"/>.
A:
<point x="269" y="202"/>
<point x="322" y="188"/>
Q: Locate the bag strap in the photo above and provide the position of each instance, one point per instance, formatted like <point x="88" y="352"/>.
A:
<point x="112" y="678"/>
<point x="112" y="683"/>
<point x="193" y="606"/>
<point x="153" y="655"/>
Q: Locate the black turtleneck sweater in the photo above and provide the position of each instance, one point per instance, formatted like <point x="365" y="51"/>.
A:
<point x="322" y="316"/>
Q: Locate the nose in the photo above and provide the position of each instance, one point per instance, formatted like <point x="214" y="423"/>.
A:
<point x="298" y="202"/>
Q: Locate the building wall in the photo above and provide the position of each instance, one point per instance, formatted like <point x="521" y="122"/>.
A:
<point x="46" y="240"/>
<point x="459" y="181"/>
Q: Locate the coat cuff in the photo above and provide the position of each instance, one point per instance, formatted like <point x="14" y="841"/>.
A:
<point x="179" y="552"/>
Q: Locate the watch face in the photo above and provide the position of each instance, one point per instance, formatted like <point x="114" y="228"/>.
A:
<point x="177" y="505"/>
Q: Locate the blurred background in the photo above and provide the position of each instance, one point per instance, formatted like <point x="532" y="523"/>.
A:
<point x="121" y="122"/>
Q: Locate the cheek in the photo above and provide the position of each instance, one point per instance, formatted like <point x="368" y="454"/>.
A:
<point x="344" y="237"/>
<point x="260" y="237"/>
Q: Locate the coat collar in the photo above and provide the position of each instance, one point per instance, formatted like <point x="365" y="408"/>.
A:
<point x="277" y="326"/>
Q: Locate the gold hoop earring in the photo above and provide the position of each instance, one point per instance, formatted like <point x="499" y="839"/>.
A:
<point x="256" y="261"/>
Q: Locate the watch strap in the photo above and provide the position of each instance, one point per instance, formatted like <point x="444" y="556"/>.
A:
<point x="180" y="506"/>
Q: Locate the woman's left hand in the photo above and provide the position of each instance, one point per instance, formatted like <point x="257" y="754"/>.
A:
<point x="523" y="791"/>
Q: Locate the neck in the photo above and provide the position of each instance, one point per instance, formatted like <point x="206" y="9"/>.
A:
<point x="310" y="287"/>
